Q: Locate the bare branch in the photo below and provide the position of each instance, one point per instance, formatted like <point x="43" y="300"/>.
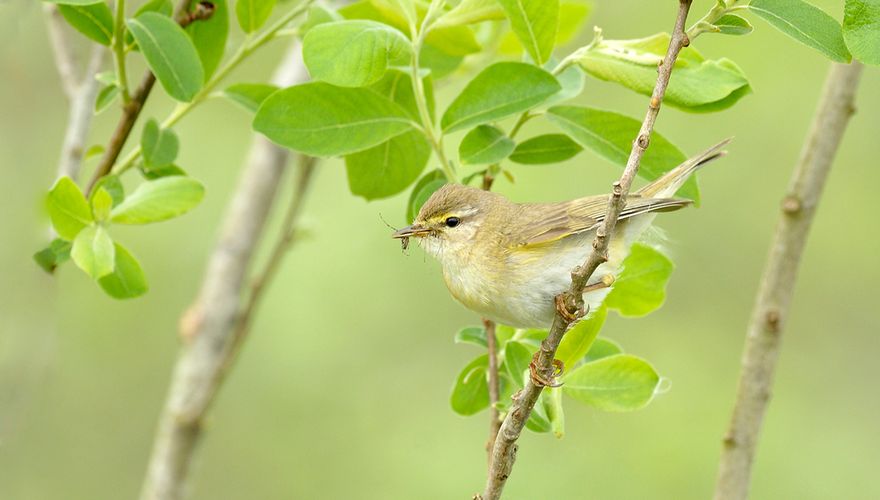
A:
<point x="62" y="50"/>
<point x="780" y="274"/>
<point x="494" y="416"/>
<point x="79" y="120"/>
<point x="209" y="326"/>
<point x="504" y="451"/>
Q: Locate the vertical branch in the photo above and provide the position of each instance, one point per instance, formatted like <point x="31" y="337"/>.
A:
<point x="504" y="451"/>
<point x="208" y="328"/>
<point x="494" y="391"/>
<point x="777" y="283"/>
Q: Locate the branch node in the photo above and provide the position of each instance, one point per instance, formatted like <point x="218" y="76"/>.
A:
<point x="655" y="103"/>
<point x="772" y="320"/>
<point x="792" y="205"/>
<point x="644" y="141"/>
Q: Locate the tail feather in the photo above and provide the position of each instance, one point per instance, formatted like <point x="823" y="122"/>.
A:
<point x="669" y="183"/>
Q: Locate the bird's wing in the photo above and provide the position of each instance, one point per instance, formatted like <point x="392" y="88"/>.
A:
<point x="545" y="223"/>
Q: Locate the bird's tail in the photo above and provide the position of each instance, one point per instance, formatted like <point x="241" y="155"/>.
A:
<point x="669" y="183"/>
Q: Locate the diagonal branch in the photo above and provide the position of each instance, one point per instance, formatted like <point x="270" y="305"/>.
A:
<point x="504" y="451"/>
<point x="780" y="274"/>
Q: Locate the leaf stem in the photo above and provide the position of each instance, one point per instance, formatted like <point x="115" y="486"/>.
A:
<point x="119" y="51"/>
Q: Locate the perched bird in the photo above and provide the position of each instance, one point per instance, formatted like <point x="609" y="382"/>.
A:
<point x="508" y="261"/>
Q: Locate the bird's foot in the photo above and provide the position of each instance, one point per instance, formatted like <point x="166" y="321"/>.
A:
<point x="568" y="310"/>
<point x="544" y="380"/>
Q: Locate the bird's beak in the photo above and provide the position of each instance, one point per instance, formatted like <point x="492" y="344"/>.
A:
<point x="414" y="230"/>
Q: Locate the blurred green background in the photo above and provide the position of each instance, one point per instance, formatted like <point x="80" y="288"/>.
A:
<point x="342" y="390"/>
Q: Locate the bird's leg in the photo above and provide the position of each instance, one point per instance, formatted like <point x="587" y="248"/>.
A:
<point x="541" y="380"/>
<point x="566" y="307"/>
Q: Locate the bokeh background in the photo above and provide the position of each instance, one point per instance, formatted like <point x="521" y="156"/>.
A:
<point x="342" y="390"/>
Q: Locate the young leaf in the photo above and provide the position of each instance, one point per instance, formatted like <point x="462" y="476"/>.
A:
<point x="318" y="14"/>
<point x="249" y="95"/>
<point x="438" y="62"/>
<point x="501" y="90"/>
<point x="209" y="36"/>
<point x="68" y="209"/>
<point x="485" y="144"/>
<point x="805" y="23"/>
<point x="731" y="24"/>
<point x="516" y="361"/>
<point x="55" y="254"/>
<point x="472" y="335"/>
<point x="534" y="22"/>
<point x="159" y="172"/>
<point x="861" y="29"/>
<point x="580" y="337"/>
<point x="424" y="188"/>
<point x="553" y="406"/>
<point x="113" y="186"/>
<point x="102" y="202"/>
<point x="387" y="169"/>
<point x="352" y="53"/>
<point x="93" y="252"/>
<point x="470" y="394"/>
<point x="252" y="14"/>
<point x="320" y="119"/>
<point x="95" y="20"/>
<point x="602" y="348"/>
<point x="105" y="97"/>
<point x="158" y="145"/>
<point x="159" y="200"/>
<point x="163" y="7"/>
<point x="539" y="421"/>
<point x="170" y="54"/>
<point x="127" y="279"/>
<point x="548" y="148"/>
<point x="698" y="85"/>
<point x="641" y="286"/>
<point x="397" y="86"/>
<point x="617" y="383"/>
<point x="471" y="11"/>
<point x="610" y="135"/>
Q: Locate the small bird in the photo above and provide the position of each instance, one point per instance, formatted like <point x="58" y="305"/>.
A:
<point x="508" y="261"/>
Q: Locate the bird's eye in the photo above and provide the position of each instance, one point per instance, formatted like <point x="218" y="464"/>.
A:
<point x="452" y="221"/>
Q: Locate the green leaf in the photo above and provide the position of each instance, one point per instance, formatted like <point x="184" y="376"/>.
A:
<point x="516" y="361"/>
<point x="93" y="252"/>
<point x="320" y="119"/>
<point x="209" y="36"/>
<point x="424" y="188"/>
<point x="440" y="63"/>
<point x="602" y="348"/>
<point x="535" y="23"/>
<point x="95" y="20"/>
<point x="102" y="202"/>
<point x="610" y="135"/>
<point x="805" y="23"/>
<point x="159" y="172"/>
<point x="572" y="81"/>
<point x="105" y="97"/>
<point x="730" y="24"/>
<point x="127" y="279"/>
<point x="553" y="406"/>
<point x="641" y="286"/>
<point x="252" y="14"/>
<point x="158" y="200"/>
<point x="318" y="14"/>
<point x="163" y="7"/>
<point x="249" y="95"/>
<point x="697" y="84"/>
<point x="548" y="148"/>
<point x="617" y="383"/>
<point x="170" y="54"/>
<point x="158" y="146"/>
<point x="485" y="144"/>
<point x="68" y="209"/>
<point x="539" y="421"/>
<point x="501" y="90"/>
<point x="113" y="186"/>
<point x="55" y="254"/>
<point x="470" y="394"/>
<point x="472" y="335"/>
<point x="388" y="168"/>
<point x="861" y="29"/>
<point x="504" y="333"/>
<point x="470" y="12"/>
<point x="73" y="2"/>
<point x="571" y="20"/>
<point x="353" y="53"/>
<point x="578" y="339"/>
<point x="397" y="86"/>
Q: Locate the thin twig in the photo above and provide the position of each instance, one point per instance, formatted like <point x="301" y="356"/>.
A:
<point x="62" y="50"/>
<point x="79" y="121"/>
<point x="494" y="390"/>
<point x="504" y="451"/>
<point x="780" y="274"/>
<point x="209" y="325"/>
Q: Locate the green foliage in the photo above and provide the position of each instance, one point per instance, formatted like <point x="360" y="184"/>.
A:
<point x="170" y="54"/>
<point x="249" y="95"/>
<point x="424" y="188"/>
<point x="113" y="186"/>
<point x="501" y="90"/>
<point x="159" y="200"/>
<point x="641" y="286"/>
<point x="547" y="148"/>
<point x="621" y="382"/>
<point x="485" y="144"/>
<point x="470" y="394"/>
<point x="353" y="53"/>
<point x="101" y="202"/>
<point x="611" y="134"/>
<point x="68" y="209"/>
<point x="74" y="2"/>
<point x="55" y="254"/>
<point x="209" y="36"/>
<point x="95" y="20"/>
<point x="805" y="23"/>
<point x="127" y="279"/>
<point x="602" y="348"/>
<point x="580" y="337"/>
<point x="731" y="24"/>
<point x="105" y="97"/>
<point x="861" y="30"/>
<point x="698" y="85"/>
<point x="472" y="11"/>
<point x="320" y="119"/>
<point x="516" y="361"/>
<point x="472" y="335"/>
<point x="534" y="22"/>
<point x="93" y="251"/>
<point x="252" y="14"/>
<point x="388" y="168"/>
<point x="159" y="146"/>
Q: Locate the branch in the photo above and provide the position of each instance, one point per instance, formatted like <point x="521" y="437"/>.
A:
<point x="494" y="390"/>
<point x="65" y="61"/>
<point x="777" y="284"/>
<point x="209" y="326"/>
<point x="79" y="120"/>
<point x="504" y="451"/>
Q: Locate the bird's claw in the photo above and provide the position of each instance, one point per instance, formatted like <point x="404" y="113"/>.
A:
<point x="569" y="312"/>
<point x="542" y="380"/>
